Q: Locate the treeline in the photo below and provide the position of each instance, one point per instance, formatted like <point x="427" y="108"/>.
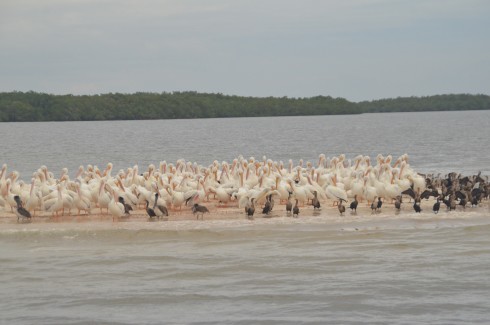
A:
<point x="32" y="106"/>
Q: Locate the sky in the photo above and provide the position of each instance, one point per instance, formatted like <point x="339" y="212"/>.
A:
<point x="354" y="49"/>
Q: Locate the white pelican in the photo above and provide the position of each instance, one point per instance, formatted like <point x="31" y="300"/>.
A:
<point x="34" y="201"/>
<point x="177" y="198"/>
<point x="357" y="186"/>
<point x="392" y="189"/>
<point x="334" y="192"/>
<point x="115" y="208"/>
<point x="301" y="193"/>
<point x="80" y="201"/>
<point x="370" y="193"/>
<point x="9" y="196"/>
<point x="55" y="204"/>
<point x="103" y="198"/>
<point x="3" y="184"/>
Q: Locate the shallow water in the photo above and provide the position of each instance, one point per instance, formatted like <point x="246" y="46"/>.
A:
<point x="381" y="269"/>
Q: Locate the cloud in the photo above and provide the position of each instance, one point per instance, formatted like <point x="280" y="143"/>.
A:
<point x="357" y="49"/>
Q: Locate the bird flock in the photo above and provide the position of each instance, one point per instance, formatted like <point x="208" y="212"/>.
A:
<point x="249" y="184"/>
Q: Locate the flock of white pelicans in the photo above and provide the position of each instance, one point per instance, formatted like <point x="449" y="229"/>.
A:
<point x="243" y="183"/>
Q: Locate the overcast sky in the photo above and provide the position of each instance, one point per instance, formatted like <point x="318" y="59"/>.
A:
<point x="356" y="49"/>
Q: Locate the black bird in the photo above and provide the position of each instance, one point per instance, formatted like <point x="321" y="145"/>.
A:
<point x="196" y="209"/>
<point x="127" y="207"/>
<point x="436" y="206"/>
<point x="289" y="206"/>
<point x="268" y="206"/>
<point x="374" y="206"/>
<point x="416" y="207"/>
<point x="380" y="203"/>
<point x="251" y="210"/>
<point x="315" y="202"/>
<point x="353" y="205"/>
<point x="21" y="212"/>
<point x="151" y="213"/>
<point x="341" y="207"/>
<point x="296" y="209"/>
<point x="398" y="203"/>
<point x="271" y="200"/>
<point x="452" y="203"/>
<point x="474" y="202"/>
<point x="463" y="203"/>
<point x="160" y="210"/>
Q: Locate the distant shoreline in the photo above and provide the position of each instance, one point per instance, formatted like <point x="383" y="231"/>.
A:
<point x="41" y="107"/>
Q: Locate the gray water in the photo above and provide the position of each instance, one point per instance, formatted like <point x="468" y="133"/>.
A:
<point x="386" y="269"/>
<point x="436" y="141"/>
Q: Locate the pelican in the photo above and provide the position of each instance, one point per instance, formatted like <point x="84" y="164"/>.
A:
<point x="301" y="193"/>
<point x="116" y="208"/>
<point x="34" y="201"/>
<point x="8" y="195"/>
<point x="159" y="209"/>
<point x="333" y="192"/>
<point x="54" y="205"/>
<point x="392" y="189"/>
<point x="103" y="197"/>
<point x="80" y="201"/>
<point x="357" y="185"/>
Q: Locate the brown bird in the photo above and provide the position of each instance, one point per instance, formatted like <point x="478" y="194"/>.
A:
<point x="296" y="209"/>
<point x="341" y="207"/>
<point x="196" y="209"/>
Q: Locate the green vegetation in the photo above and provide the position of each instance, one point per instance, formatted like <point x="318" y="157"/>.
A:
<point x="32" y="106"/>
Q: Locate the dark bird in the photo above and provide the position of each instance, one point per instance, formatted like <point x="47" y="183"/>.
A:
<point x="196" y="209"/>
<point x="416" y="207"/>
<point x="271" y="200"/>
<point x="151" y="213"/>
<point x="251" y="210"/>
<point x="410" y="192"/>
<point x="341" y="207"/>
<point x="296" y="209"/>
<point x="127" y="207"/>
<point x="21" y="212"/>
<point x="289" y="205"/>
<point x="452" y="203"/>
<point x="398" y="203"/>
<point x="267" y="206"/>
<point x="378" y="206"/>
<point x="436" y="206"/>
<point x="160" y="210"/>
<point x="374" y="206"/>
<point x="428" y="193"/>
<point x="353" y="205"/>
<point x="462" y="198"/>
<point x="474" y="202"/>
<point x="315" y="202"/>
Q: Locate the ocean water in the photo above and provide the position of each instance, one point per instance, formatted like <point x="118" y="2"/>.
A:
<point x="370" y="269"/>
<point x="437" y="142"/>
